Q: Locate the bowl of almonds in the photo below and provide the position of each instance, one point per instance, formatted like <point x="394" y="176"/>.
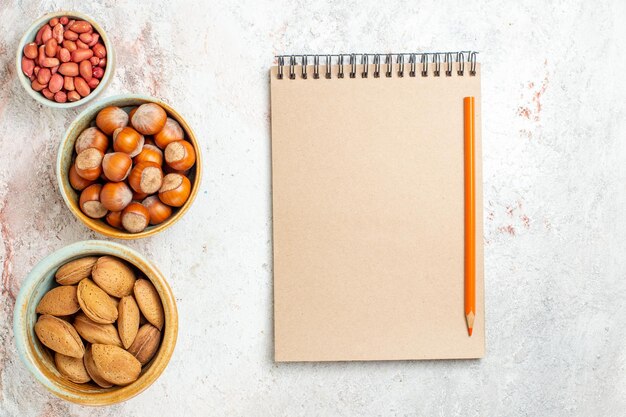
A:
<point x="95" y="322"/>
<point x="65" y="59"/>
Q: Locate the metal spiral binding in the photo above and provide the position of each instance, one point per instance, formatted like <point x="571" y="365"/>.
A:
<point x="437" y="63"/>
<point x="352" y="65"/>
<point x="389" y="63"/>
<point x="340" y="63"/>
<point x="460" y="59"/>
<point x="472" y="60"/>
<point x="364" y="62"/>
<point x="292" y="67"/>
<point x="328" y="65"/>
<point x="400" y="62"/>
<point x="304" y="67"/>
<point x="449" y="64"/>
<point x="316" y="67"/>
<point x="281" y="65"/>
<point x="425" y="58"/>
<point x="376" y="65"/>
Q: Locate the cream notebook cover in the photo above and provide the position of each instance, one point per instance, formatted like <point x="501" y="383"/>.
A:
<point x="368" y="210"/>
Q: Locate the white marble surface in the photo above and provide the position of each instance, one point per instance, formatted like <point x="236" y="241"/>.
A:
<point x="554" y="88"/>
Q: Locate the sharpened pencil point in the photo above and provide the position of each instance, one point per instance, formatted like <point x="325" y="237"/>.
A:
<point x="470" y="322"/>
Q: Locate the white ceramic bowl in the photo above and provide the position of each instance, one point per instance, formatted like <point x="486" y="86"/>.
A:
<point x="38" y="359"/>
<point x="29" y="36"/>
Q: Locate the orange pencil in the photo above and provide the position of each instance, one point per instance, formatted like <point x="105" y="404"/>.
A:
<point x="470" y="215"/>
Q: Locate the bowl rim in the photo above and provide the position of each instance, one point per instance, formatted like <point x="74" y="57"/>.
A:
<point x="87" y="248"/>
<point x="97" y="224"/>
<point x="106" y="78"/>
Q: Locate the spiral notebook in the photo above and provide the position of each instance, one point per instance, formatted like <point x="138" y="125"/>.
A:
<point x="368" y="210"/>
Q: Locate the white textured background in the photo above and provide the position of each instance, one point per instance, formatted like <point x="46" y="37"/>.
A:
<point x="554" y="105"/>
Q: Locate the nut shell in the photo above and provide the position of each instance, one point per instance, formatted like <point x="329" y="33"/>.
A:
<point x="96" y="333"/>
<point x="115" y="196"/>
<point x="89" y="164"/>
<point x="116" y="365"/>
<point x="114" y="218"/>
<point x="149" y="302"/>
<point x="114" y="276"/>
<point x="170" y="132"/>
<point x="72" y="368"/>
<point x="75" y="271"/>
<point x="91" y="137"/>
<point x="90" y="204"/>
<point x="138" y="195"/>
<point x="158" y="211"/>
<point x="59" y="301"/>
<point x="116" y="166"/>
<point x="146" y="177"/>
<point x="180" y="155"/>
<point x="149" y="153"/>
<point x="93" y="372"/>
<point x="149" y="119"/>
<point x="111" y="118"/>
<point x="135" y="217"/>
<point x="59" y="336"/>
<point x="146" y="343"/>
<point x="128" y="321"/>
<point x="76" y="181"/>
<point x="128" y="140"/>
<point x="175" y="190"/>
<point x="96" y="303"/>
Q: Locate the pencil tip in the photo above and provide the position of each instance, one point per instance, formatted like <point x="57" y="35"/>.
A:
<point x="470" y="322"/>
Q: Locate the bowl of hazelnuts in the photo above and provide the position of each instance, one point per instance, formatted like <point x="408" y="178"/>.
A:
<point x="129" y="166"/>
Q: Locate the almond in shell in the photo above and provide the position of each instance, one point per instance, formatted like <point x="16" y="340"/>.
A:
<point x="59" y="301"/>
<point x="149" y="302"/>
<point x="127" y="320"/>
<point x="146" y="343"/>
<point x="96" y="303"/>
<point x="59" y="336"/>
<point x="114" y="276"/>
<point x="93" y="332"/>
<point x="72" y="368"/>
<point x="116" y="365"/>
<point x="73" y="272"/>
<point x="93" y="372"/>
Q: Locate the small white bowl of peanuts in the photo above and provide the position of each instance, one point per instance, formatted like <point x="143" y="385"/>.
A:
<point x="65" y="59"/>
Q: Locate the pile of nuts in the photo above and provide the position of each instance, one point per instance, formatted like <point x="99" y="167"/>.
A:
<point x="131" y="179"/>
<point x="102" y="322"/>
<point x="66" y="61"/>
